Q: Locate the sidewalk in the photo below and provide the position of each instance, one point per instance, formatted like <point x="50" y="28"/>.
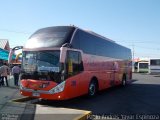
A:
<point x="8" y="93"/>
<point x="11" y="82"/>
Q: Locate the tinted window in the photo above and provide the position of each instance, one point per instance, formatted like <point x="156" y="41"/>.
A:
<point x="104" y="48"/>
<point x="92" y="44"/>
<point x="50" y="37"/>
<point x="87" y="42"/>
<point x="155" y="62"/>
<point x="76" y="41"/>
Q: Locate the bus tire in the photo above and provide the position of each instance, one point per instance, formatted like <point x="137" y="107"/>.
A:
<point x="93" y="88"/>
<point x="124" y="81"/>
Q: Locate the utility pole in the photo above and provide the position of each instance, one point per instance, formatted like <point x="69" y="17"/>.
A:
<point x="132" y="57"/>
<point x="133" y="51"/>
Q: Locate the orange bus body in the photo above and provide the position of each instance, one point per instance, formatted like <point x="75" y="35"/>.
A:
<point x="107" y="72"/>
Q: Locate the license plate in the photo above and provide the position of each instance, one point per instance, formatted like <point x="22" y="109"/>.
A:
<point x="36" y="94"/>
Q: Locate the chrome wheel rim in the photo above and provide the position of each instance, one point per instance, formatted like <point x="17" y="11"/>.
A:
<point x="124" y="82"/>
<point x="92" y="89"/>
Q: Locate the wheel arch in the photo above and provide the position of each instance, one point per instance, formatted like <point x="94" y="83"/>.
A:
<point x="95" y="79"/>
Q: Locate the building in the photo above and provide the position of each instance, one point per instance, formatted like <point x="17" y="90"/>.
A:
<point x="4" y="50"/>
<point x="4" y="44"/>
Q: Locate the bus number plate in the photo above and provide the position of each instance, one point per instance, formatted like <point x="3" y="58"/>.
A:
<point x="36" y="94"/>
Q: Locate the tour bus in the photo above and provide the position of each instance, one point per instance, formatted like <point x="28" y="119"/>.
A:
<point x="63" y="62"/>
<point x="154" y="66"/>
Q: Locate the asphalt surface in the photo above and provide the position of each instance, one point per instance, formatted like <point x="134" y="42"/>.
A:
<point x="140" y="98"/>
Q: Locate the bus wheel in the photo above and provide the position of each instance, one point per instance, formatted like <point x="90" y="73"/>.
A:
<point x="124" y="82"/>
<point x="92" y="88"/>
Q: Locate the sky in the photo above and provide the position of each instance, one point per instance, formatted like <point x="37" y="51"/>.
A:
<point x="132" y="23"/>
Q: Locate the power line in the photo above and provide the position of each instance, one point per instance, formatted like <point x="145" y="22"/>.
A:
<point x="147" y="48"/>
<point x="142" y="47"/>
<point x="139" y="42"/>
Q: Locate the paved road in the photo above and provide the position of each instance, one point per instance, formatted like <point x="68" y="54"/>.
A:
<point x="142" y="97"/>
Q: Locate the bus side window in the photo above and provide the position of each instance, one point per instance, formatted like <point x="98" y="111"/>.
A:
<point x="74" y="63"/>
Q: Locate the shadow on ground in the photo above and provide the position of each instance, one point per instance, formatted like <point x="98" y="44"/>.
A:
<point x="132" y="99"/>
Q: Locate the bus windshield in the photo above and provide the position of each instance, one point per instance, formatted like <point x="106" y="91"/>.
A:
<point x="143" y="65"/>
<point x="41" y="65"/>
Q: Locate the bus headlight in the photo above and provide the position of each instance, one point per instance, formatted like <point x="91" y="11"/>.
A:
<point x="58" y="88"/>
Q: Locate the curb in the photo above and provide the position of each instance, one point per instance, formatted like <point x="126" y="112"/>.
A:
<point x="84" y="116"/>
<point x="22" y="99"/>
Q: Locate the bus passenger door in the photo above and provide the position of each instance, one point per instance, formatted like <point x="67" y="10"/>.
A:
<point x="114" y="74"/>
<point x="74" y="69"/>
